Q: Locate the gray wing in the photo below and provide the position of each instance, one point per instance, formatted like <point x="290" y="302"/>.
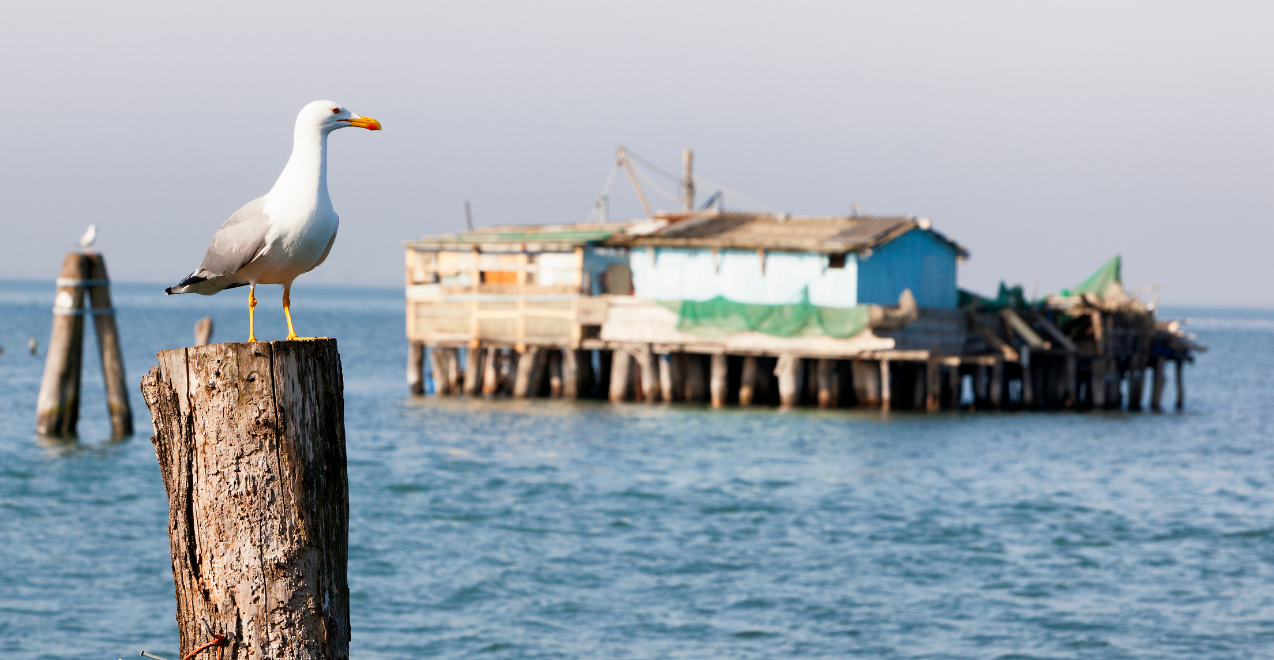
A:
<point x="239" y="241"/>
<point x="326" y="250"/>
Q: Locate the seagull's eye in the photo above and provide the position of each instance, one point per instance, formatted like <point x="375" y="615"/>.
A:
<point x="336" y="110"/>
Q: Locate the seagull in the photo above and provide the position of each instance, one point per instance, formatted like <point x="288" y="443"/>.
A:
<point x="90" y="235"/>
<point x="289" y="231"/>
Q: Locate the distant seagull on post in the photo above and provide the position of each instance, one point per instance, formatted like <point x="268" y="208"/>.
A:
<point x="90" y="235"/>
<point x="275" y="238"/>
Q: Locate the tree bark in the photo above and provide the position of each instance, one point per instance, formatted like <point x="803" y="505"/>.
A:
<point x="250" y="439"/>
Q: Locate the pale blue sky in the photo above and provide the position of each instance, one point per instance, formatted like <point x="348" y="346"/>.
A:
<point x="1044" y="138"/>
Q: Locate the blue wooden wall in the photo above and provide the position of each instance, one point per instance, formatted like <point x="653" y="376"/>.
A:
<point x="917" y="260"/>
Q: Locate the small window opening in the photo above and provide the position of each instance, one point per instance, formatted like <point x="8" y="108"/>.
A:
<point x="836" y="260"/>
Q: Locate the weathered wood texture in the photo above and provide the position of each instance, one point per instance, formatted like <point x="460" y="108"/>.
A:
<point x="58" y="404"/>
<point x="250" y="439"/>
<point x="99" y="293"/>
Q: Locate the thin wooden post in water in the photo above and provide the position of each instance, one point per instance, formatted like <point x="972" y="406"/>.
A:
<point x="416" y="367"/>
<point x="865" y="379"/>
<point x="250" y="439"/>
<point x="955" y="386"/>
<point x="570" y="374"/>
<point x="1028" y="378"/>
<point x="472" y="370"/>
<point x="1181" y="385"/>
<point x="649" y="374"/>
<point x="438" y="370"/>
<point x="748" y="380"/>
<point x="58" y="404"/>
<point x="788" y="370"/>
<point x="522" y="383"/>
<point x="203" y="331"/>
<point x="491" y="374"/>
<point x="99" y="293"/>
<point x="666" y="388"/>
<point x="453" y="370"/>
<point x="995" y="395"/>
<point x="886" y="387"/>
<point x="825" y="377"/>
<point x="717" y="382"/>
<point x="620" y="363"/>
<point x="933" y="383"/>
<point x="1157" y="383"/>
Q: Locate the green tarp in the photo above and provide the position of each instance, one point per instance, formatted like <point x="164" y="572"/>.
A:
<point x="720" y="317"/>
<point x="1100" y="281"/>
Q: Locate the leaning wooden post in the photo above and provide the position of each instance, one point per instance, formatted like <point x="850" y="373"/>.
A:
<point x="1157" y="382"/>
<point x="415" y="367"/>
<point x="717" y="380"/>
<point x="886" y="386"/>
<point x="99" y="293"/>
<point x="619" y="364"/>
<point x="58" y="404"/>
<point x="1181" y="384"/>
<point x="250" y="439"/>
<point x="748" y="379"/>
<point x="788" y="371"/>
<point x="203" y="331"/>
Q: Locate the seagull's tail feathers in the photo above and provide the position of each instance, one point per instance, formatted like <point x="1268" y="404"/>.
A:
<point x="204" y="283"/>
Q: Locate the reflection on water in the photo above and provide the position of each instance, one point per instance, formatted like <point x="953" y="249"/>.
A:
<point x="547" y="529"/>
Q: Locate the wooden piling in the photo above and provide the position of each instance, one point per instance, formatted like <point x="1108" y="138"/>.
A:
<point x="438" y="370"/>
<point x="1072" y="380"/>
<point x="666" y="388"/>
<point x="58" y="404"/>
<point x="1157" y="382"/>
<point x="570" y="374"/>
<point x="620" y="364"/>
<point x="995" y="395"/>
<point x="416" y="367"/>
<point x="490" y="372"/>
<point x="1136" y="384"/>
<point x="250" y="440"/>
<point x="933" y="383"/>
<point x="748" y="380"/>
<point x="453" y="369"/>
<point x="526" y="366"/>
<point x="717" y="382"/>
<point x="203" y="331"/>
<point x="865" y="379"/>
<point x="473" y="371"/>
<point x="886" y="386"/>
<point x="650" y="391"/>
<point x="825" y="383"/>
<point x="1028" y="378"/>
<point x="108" y="347"/>
<point x="788" y="371"/>
<point x="554" y="358"/>
<point x="1181" y="385"/>
<point x="1097" y="383"/>
<point x="955" y="386"/>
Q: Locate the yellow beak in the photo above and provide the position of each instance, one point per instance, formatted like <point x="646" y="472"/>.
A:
<point x="363" y="122"/>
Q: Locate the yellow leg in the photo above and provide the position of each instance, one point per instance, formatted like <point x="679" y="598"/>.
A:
<point x="287" y="311"/>
<point x="252" y="312"/>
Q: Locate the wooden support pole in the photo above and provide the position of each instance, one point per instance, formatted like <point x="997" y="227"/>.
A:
<point x="650" y="391"/>
<point x="825" y="381"/>
<point x="1181" y="384"/>
<point x="788" y="370"/>
<point x="955" y="386"/>
<point x="570" y="373"/>
<point x="491" y="374"/>
<point x="696" y="382"/>
<point x="717" y="382"/>
<point x="554" y="358"/>
<point x="250" y="439"/>
<point x="58" y="404"/>
<point x="886" y="386"/>
<point x="453" y="370"/>
<point x="1097" y="383"/>
<point x="438" y="370"/>
<point x="865" y="379"/>
<point x="980" y="393"/>
<point x="526" y="366"/>
<point x="996" y="393"/>
<point x="1157" y="382"/>
<point x="1028" y="379"/>
<point x="620" y="363"/>
<point x="1072" y="380"/>
<point x="203" y="331"/>
<point x="748" y="380"/>
<point x="416" y="367"/>
<point x="1136" y="383"/>
<point x="472" y="370"/>
<point x="933" y="383"/>
<point x="108" y="348"/>
<point x="666" y="388"/>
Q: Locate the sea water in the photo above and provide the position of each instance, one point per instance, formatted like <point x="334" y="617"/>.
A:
<point x="544" y="529"/>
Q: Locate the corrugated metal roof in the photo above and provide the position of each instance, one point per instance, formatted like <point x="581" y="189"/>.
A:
<point x="831" y="234"/>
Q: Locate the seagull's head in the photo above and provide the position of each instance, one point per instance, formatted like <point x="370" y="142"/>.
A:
<point x="328" y="116"/>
